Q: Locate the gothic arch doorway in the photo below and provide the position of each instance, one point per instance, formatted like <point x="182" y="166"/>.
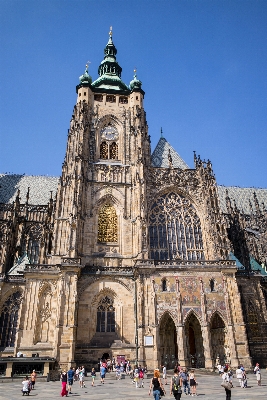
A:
<point x="168" y="341"/>
<point x="194" y="342"/>
<point x="219" y="349"/>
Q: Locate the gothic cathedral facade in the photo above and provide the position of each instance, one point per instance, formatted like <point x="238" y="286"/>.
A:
<point x="134" y="254"/>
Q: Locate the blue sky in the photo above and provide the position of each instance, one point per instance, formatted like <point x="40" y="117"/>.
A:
<point x="203" y="65"/>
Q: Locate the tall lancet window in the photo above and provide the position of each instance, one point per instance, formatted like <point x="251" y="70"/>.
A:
<point x="109" y="143"/>
<point x="107" y="224"/>
<point x="105" y="316"/>
<point x="174" y="229"/>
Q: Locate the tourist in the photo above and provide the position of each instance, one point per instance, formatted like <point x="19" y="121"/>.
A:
<point x="156" y="384"/>
<point x="227" y="380"/>
<point x="71" y="374"/>
<point x="26" y="386"/>
<point x="240" y="376"/>
<point x="136" y="376"/>
<point x="118" y="371"/>
<point x="33" y="379"/>
<point x="81" y="377"/>
<point x="185" y="378"/>
<point x="164" y="374"/>
<point x="193" y="383"/>
<point x="141" y="378"/>
<point x="257" y="371"/>
<point x="93" y="375"/>
<point x="102" y="373"/>
<point x="64" y="378"/>
<point x="176" y="385"/>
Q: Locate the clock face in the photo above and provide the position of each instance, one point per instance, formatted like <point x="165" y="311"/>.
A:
<point x="109" y="133"/>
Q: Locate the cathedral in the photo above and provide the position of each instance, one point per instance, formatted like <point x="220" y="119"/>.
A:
<point x="129" y="254"/>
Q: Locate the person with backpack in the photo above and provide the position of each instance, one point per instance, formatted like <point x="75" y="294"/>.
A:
<point x="176" y="385"/>
<point x="141" y="378"/>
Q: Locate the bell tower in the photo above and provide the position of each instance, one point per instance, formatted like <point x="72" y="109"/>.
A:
<point x="101" y="197"/>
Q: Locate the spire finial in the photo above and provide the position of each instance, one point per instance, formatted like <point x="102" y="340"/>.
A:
<point x="110" y="32"/>
<point x="87" y="66"/>
<point x="161" y="132"/>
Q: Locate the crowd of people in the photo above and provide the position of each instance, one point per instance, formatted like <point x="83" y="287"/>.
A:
<point x="180" y="381"/>
<point x="227" y="377"/>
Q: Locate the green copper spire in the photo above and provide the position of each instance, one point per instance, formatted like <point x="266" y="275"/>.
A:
<point x="109" y="70"/>
<point x="135" y="83"/>
<point x="85" y="78"/>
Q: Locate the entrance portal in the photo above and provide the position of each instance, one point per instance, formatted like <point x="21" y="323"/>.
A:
<point x="168" y="341"/>
<point x="194" y="342"/>
<point x="219" y="349"/>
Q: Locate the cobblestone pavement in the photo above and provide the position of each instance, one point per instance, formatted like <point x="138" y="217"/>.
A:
<point x="209" y="388"/>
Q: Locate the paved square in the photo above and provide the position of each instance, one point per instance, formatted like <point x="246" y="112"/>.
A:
<point x="209" y="388"/>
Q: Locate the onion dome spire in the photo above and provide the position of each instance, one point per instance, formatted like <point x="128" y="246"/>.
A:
<point x="86" y="78"/>
<point x="135" y="83"/>
<point x="109" y="71"/>
<point x="109" y="65"/>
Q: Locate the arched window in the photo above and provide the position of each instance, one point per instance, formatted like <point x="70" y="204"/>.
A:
<point x="164" y="285"/>
<point x="174" y="229"/>
<point x="32" y="243"/>
<point x="9" y="320"/>
<point x="109" y="147"/>
<point x="105" y="316"/>
<point x="104" y="150"/>
<point x="113" y="151"/>
<point x="107" y="224"/>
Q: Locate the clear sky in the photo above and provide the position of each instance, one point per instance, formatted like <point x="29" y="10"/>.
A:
<point x="203" y="65"/>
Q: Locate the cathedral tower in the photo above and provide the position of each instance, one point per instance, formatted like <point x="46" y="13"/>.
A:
<point x="101" y="198"/>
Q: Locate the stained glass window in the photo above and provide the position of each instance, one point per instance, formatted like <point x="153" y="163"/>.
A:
<point x="105" y="316"/>
<point x="174" y="229"/>
<point x="107" y="224"/>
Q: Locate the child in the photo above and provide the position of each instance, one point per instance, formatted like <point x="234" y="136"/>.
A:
<point x="93" y="375"/>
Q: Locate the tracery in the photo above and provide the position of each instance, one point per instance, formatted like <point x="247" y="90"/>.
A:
<point x="105" y="316"/>
<point x="9" y="320"/>
<point x="174" y="229"/>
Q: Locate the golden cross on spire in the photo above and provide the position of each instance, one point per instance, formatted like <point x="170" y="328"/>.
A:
<point x="87" y="65"/>
<point x="110" y="31"/>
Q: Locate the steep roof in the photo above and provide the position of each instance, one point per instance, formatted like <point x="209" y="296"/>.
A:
<point x="160" y="159"/>
<point x="242" y="197"/>
<point x="40" y="188"/>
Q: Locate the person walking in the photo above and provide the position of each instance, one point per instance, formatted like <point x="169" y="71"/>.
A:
<point x="64" y="378"/>
<point x="71" y="373"/>
<point x="155" y="385"/>
<point x="33" y="379"/>
<point x="81" y="377"/>
<point x="257" y="371"/>
<point x="141" y="378"/>
<point x="176" y="385"/>
<point x="185" y="378"/>
<point x="164" y="374"/>
<point x="227" y="378"/>
<point x="240" y="376"/>
<point x="93" y="375"/>
<point x="193" y="383"/>
<point x="102" y="373"/>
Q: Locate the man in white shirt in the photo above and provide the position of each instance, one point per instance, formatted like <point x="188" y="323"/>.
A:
<point x="240" y="376"/>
